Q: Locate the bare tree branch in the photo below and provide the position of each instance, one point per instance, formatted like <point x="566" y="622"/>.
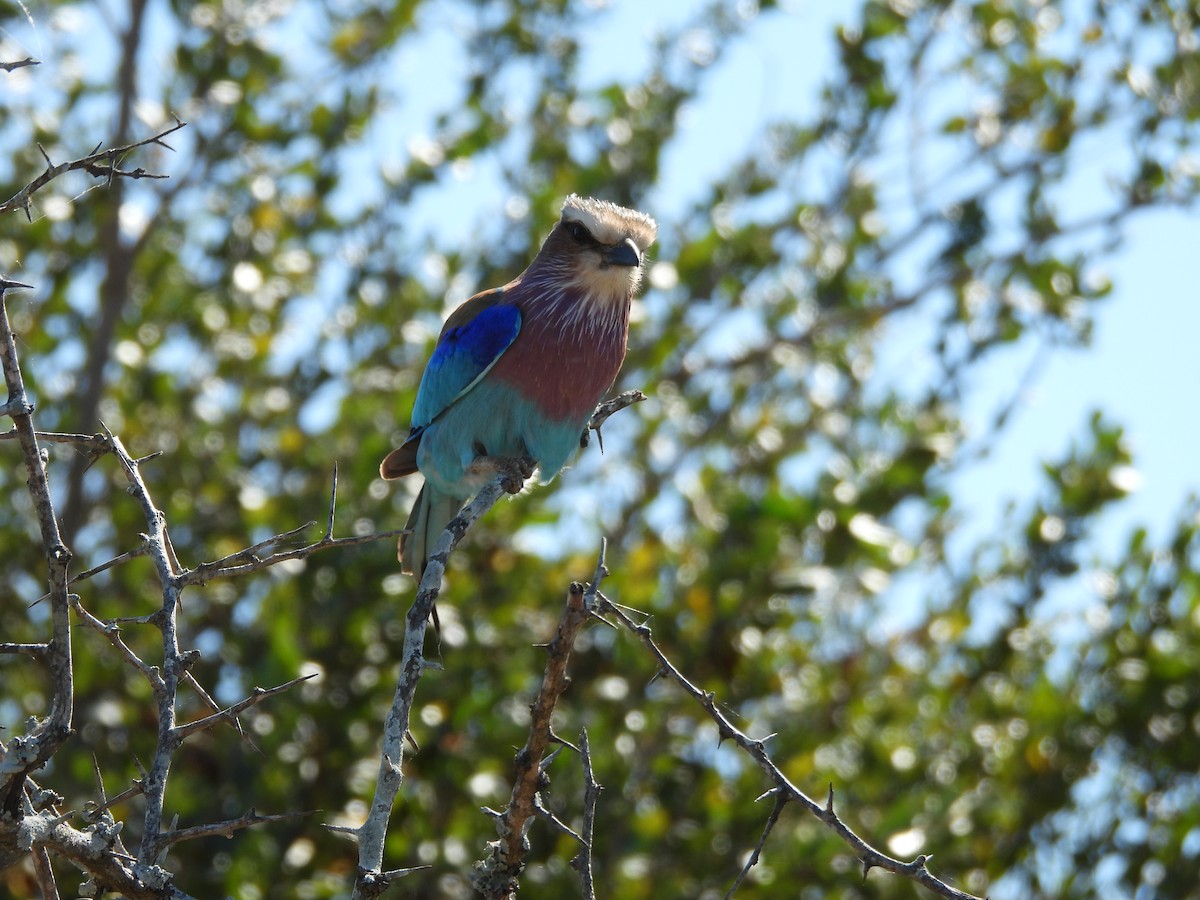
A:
<point x="44" y="874"/>
<point x="756" y="750"/>
<point x="605" y="411"/>
<point x="100" y="164"/>
<point x="496" y="876"/>
<point x="372" y="881"/>
<point x="96" y="443"/>
<point x="246" y="562"/>
<point x="24" y="754"/>
<point x="227" y="828"/>
<point x="591" y="794"/>
<point x="112" y="633"/>
<point x="257" y="696"/>
<point x="781" y="800"/>
<point x="37" y="651"/>
<point x="92" y="849"/>
<point x="20" y="64"/>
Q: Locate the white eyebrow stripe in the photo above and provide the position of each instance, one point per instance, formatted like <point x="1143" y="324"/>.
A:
<point x="609" y="223"/>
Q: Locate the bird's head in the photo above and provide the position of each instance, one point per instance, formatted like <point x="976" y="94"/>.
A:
<point x="598" y="248"/>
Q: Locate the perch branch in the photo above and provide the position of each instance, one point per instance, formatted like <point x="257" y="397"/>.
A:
<point x="605" y="411"/>
<point x="246" y="562"/>
<point x="372" y="881"/>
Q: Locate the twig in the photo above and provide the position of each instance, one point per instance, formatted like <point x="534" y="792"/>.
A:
<point x="44" y="874"/>
<point x="141" y="550"/>
<point x="91" y="812"/>
<point x="591" y="794"/>
<point x="20" y="64"/>
<point x="164" y="679"/>
<point x="781" y="800"/>
<point x="226" y="828"/>
<point x="100" y="164"/>
<point x="37" y="651"/>
<point x="756" y="750"/>
<point x="233" y="566"/>
<point x="257" y="696"/>
<point x="332" y="503"/>
<point x="97" y="443"/>
<point x="112" y="633"/>
<point x="496" y="875"/>
<point x="607" y="409"/>
<point x="213" y="706"/>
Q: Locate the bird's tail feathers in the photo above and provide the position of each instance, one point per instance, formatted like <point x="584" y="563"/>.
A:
<point x="430" y="515"/>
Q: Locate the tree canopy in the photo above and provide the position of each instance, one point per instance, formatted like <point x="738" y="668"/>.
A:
<point x="264" y="313"/>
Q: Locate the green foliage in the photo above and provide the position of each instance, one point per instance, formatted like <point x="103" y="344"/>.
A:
<point x="267" y="311"/>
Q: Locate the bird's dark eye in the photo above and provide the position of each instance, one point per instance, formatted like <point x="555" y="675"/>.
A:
<point x="578" y="232"/>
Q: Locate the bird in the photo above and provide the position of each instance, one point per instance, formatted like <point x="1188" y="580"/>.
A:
<point x="518" y="370"/>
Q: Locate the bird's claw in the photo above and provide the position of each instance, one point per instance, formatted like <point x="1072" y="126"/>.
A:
<point x="514" y="471"/>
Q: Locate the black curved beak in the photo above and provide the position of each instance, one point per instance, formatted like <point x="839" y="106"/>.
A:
<point x="625" y="253"/>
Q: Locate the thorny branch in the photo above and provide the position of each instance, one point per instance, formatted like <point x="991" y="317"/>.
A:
<point x="99" y="163"/>
<point x="783" y="790"/>
<point x="605" y="411"/>
<point x="27" y="753"/>
<point x="496" y="876"/>
<point x="30" y="821"/>
<point x="781" y="801"/>
<point x="591" y="795"/>
<point x="226" y="828"/>
<point x="372" y="880"/>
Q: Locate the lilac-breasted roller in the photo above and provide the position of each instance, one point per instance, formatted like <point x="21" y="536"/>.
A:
<point x="518" y="370"/>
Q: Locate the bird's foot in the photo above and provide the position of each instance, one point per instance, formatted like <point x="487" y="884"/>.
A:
<point x="514" y="470"/>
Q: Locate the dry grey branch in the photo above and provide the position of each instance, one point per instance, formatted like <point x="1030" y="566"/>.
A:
<point x="26" y="753"/>
<point x="372" y="881"/>
<point x="111" y="631"/>
<point x="37" y="651"/>
<point x="92" y="850"/>
<point x="871" y="858"/>
<point x="44" y="874"/>
<point x="165" y="679"/>
<point x="213" y="706"/>
<point x="99" y="163"/>
<point x="257" y="696"/>
<point x="207" y="572"/>
<point x="227" y="828"/>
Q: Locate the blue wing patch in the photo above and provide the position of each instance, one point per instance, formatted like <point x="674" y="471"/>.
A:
<point x="463" y="355"/>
